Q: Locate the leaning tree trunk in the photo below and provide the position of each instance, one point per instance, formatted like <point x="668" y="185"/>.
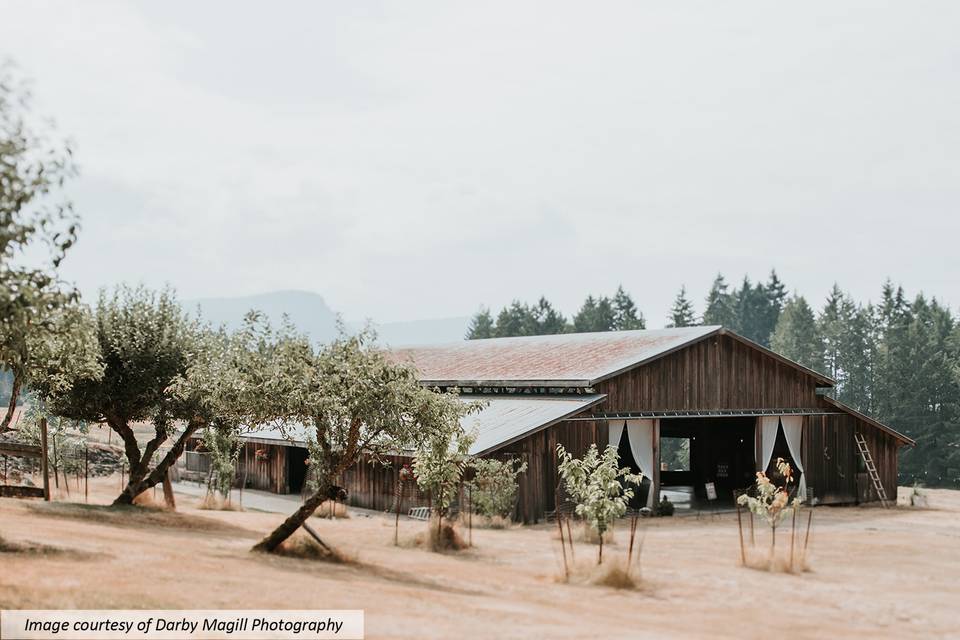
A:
<point x="276" y="537"/>
<point x="12" y="406"/>
<point x="140" y="480"/>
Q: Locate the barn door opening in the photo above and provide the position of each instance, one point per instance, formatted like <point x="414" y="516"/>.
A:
<point x="296" y="469"/>
<point x="704" y="460"/>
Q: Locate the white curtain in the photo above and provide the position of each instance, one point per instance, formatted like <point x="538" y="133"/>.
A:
<point x="616" y="432"/>
<point x="640" y="435"/>
<point x="793" y="430"/>
<point x="768" y="437"/>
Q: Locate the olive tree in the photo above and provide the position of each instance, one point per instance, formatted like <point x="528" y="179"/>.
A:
<point x="35" y="218"/>
<point x="145" y="343"/>
<point x="355" y="402"/>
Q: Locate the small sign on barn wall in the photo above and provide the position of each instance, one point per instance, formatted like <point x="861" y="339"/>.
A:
<point x="711" y="491"/>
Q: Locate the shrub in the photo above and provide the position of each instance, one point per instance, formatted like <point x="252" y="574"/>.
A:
<point x="493" y="489"/>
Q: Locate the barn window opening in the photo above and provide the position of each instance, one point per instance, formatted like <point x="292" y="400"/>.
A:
<point x="675" y="454"/>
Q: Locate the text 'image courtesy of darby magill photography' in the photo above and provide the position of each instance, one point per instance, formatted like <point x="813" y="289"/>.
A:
<point x="427" y="320"/>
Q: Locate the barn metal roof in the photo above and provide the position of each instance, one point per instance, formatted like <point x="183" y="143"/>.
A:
<point x="862" y="416"/>
<point x="561" y="360"/>
<point x="564" y="360"/>
<point x="507" y="419"/>
<point x="503" y="420"/>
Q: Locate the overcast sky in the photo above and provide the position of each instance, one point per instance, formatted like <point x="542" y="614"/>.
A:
<point x="416" y="159"/>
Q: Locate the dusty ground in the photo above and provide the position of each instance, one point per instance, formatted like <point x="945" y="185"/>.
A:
<point x="874" y="574"/>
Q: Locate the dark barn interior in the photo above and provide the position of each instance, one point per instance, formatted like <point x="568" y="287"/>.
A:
<point x="715" y="450"/>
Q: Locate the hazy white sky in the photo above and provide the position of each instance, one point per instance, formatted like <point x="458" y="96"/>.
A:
<point x="416" y="159"/>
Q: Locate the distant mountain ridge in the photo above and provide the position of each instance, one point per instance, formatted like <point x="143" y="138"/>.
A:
<point x="311" y="314"/>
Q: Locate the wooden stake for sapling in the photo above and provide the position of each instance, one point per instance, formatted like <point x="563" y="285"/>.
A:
<point x="563" y="545"/>
<point x="743" y="552"/>
<point x="793" y="535"/>
<point x="44" y="466"/>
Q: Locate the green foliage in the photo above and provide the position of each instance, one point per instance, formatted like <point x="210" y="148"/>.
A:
<point x="439" y="464"/>
<point x="493" y="489"/>
<point x="36" y="219"/>
<point x="596" y="484"/>
<point x="144" y="342"/>
<point x="675" y="453"/>
<point x="481" y="325"/>
<point x="223" y="446"/>
<point x="682" y="313"/>
<point x="618" y="313"/>
<point x="63" y="436"/>
<point x="721" y="307"/>
<point x="796" y="335"/>
<point x="626" y="317"/>
<point x="146" y="347"/>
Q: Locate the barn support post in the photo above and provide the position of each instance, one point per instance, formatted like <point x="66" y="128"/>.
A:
<point x="655" y="475"/>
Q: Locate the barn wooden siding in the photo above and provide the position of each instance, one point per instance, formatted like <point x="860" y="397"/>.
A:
<point x="372" y="485"/>
<point x="719" y="372"/>
<point x="265" y="475"/>
<point x="832" y="462"/>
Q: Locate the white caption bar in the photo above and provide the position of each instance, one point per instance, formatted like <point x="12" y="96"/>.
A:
<point x="180" y="625"/>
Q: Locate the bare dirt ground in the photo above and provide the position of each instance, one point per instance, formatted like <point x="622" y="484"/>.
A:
<point x="874" y="574"/>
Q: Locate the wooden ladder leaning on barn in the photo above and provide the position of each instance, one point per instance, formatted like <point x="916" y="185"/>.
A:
<point x="871" y="468"/>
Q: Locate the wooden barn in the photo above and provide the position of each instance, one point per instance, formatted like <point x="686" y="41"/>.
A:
<point x="697" y="410"/>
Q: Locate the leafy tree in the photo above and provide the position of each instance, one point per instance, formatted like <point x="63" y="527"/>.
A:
<point x="145" y="343"/>
<point x="223" y="446"/>
<point x="796" y="334"/>
<point x="493" y="488"/>
<point x="682" y="313"/>
<point x="596" y="485"/>
<point x="35" y="218"/>
<point x="438" y="466"/>
<point x="356" y="403"/>
<point x="481" y="325"/>
<point x="721" y="306"/>
<point x="625" y="314"/>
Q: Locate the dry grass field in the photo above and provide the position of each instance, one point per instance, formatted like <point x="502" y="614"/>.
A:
<point x="874" y="573"/>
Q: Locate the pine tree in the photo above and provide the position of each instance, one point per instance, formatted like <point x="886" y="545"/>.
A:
<point x="596" y="314"/>
<point x="796" y="334"/>
<point x="721" y="307"/>
<point x="585" y="319"/>
<point x="751" y="305"/>
<point x="625" y="314"/>
<point x="830" y="326"/>
<point x="547" y="320"/>
<point x="775" y="296"/>
<point x="481" y="325"/>
<point x="515" y="320"/>
<point x="682" y="313"/>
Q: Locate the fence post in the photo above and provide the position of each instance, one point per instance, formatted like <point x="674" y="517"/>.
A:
<point x="43" y="460"/>
<point x="86" y="472"/>
<point x="56" y="472"/>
